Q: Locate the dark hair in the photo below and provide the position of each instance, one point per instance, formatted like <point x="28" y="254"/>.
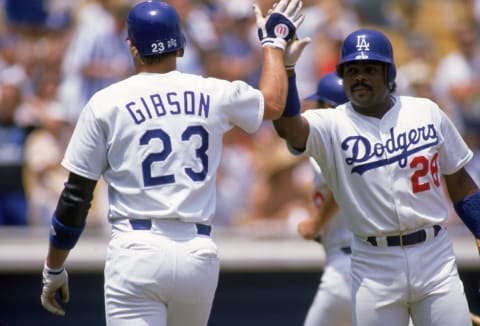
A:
<point x="150" y="60"/>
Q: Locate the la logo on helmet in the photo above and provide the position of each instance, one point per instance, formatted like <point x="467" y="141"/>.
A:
<point x="362" y="44"/>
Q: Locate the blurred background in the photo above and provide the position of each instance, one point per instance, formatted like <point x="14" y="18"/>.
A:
<point x="54" y="54"/>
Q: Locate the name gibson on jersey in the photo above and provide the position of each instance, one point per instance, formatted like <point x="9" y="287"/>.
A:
<point x="173" y="103"/>
<point x="397" y="148"/>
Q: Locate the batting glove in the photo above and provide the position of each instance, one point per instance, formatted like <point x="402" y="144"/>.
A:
<point x="54" y="280"/>
<point x="280" y="24"/>
<point x="293" y="51"/>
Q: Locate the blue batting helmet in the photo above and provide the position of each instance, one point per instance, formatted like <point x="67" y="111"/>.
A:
<point x="329" y="89"/>
<point x="368" y="45"/>
<point x="154" y="28"/>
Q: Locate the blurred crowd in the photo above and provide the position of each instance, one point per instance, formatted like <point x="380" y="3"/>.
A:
<point x="54" y="54"/>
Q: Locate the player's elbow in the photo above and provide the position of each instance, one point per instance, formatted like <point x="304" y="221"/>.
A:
<point x="273" y="110"/>
<point x="293" y="130"/>
<point x="274" y="105"/>
<point x="281" y="129"/>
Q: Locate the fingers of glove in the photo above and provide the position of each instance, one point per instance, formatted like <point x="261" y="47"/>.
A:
<point x="64" y="292"/>
<point x="293" y="8"/>
<point x="49" y="303"/>
<point x="273" y="8"/>
<point x="281" y="5"/>
<point x="302" y="43"/>
<point x="298" y="20"/>
<point x="294" y="50"/>
<point x="258" y="14"/>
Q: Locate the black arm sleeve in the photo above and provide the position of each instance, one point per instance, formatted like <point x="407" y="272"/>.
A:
<point x="75" y="200"/>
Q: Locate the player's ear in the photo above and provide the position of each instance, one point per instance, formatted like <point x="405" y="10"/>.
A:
<point x="180" y="53"/>
<point x="135" y="55"/>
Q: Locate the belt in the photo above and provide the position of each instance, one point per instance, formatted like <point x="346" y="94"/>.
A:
<point x="346" y="250"/>
<point x="202" y="229"/>
<point x="406" y="239"/>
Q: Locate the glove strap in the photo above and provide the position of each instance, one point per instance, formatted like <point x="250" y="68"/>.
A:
<point x="275" y="42"/>
<point x="289" y="67"/>
<point x="53" y="271"/>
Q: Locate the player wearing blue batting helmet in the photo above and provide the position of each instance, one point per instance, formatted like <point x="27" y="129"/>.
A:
<point x="368" y="45"/>
<point x="329" y="90"/>
<point x="154" y="28"/>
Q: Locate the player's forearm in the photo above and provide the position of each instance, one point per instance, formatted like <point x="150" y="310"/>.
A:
<point x="56" y="257"/>
<point x="466" y="198"/>
<point x="273" y="82"/>
<point x="291" y="126"/>
<point x="460" y="185"/>
<point x="329" y="209"/>
<point x="294" y="130"/>
<point x="75" y="200"/>
<point x="68" y="221"/>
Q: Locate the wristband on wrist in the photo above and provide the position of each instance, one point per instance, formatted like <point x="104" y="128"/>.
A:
<point x="275" y="43"/>
<point x="63" y="236"/>
<point x="292" y="105"/>
<point x="289" y="67"/>
<point x="468" y="209"/>
<point x="53" y="271"/>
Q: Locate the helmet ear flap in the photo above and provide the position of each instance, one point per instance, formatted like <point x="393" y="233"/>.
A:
<point x="391" y="73"/>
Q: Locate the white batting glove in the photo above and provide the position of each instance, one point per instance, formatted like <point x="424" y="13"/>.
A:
<point x="293" y="51"/>
<point x="280" y="24"/>
<point x="54" y="280"/>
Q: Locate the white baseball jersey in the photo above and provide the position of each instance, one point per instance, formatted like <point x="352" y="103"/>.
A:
<point x="157" y="141"/>
<point x="374" y="165"/>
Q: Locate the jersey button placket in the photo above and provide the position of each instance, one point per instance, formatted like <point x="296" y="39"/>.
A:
<point x="390" y="169"/>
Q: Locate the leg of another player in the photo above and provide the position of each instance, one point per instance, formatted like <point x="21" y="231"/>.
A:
<point x="332" y="305"/>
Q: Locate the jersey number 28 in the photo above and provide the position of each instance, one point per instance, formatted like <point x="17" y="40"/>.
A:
<point x="200" y="153"/>
<point x="423" y="167"/>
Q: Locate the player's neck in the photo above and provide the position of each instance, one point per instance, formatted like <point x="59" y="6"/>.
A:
<point x="377" y="110"/>
<point x="166" y="64"/>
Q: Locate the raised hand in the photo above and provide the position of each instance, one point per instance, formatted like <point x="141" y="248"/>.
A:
<point x="280" y="24"/>
<point x="294" y="50"/>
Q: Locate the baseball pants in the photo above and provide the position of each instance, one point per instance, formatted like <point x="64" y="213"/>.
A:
<point x="391" y="283"/>
<point x="164" y="277"/>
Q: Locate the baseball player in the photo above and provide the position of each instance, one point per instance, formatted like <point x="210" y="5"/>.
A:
<point x="332" y="302"/>
<point x="156" y="139"/>
<point x="383" y="157"/>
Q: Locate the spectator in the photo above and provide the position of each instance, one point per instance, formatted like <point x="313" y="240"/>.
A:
<point x="13" y="200"/>
<point x="238" y="42"/>
<point x="98" y="54"/>
<point x="333" y="20"/>
<point x="457" y="85"/>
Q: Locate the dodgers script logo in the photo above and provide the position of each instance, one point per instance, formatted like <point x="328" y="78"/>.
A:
<point x="365" y="156"/>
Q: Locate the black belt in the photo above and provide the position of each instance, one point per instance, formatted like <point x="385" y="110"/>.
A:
<point x="202" y="229"/>
<point x="406" y="239"/>
<point x="346" y="250"/>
